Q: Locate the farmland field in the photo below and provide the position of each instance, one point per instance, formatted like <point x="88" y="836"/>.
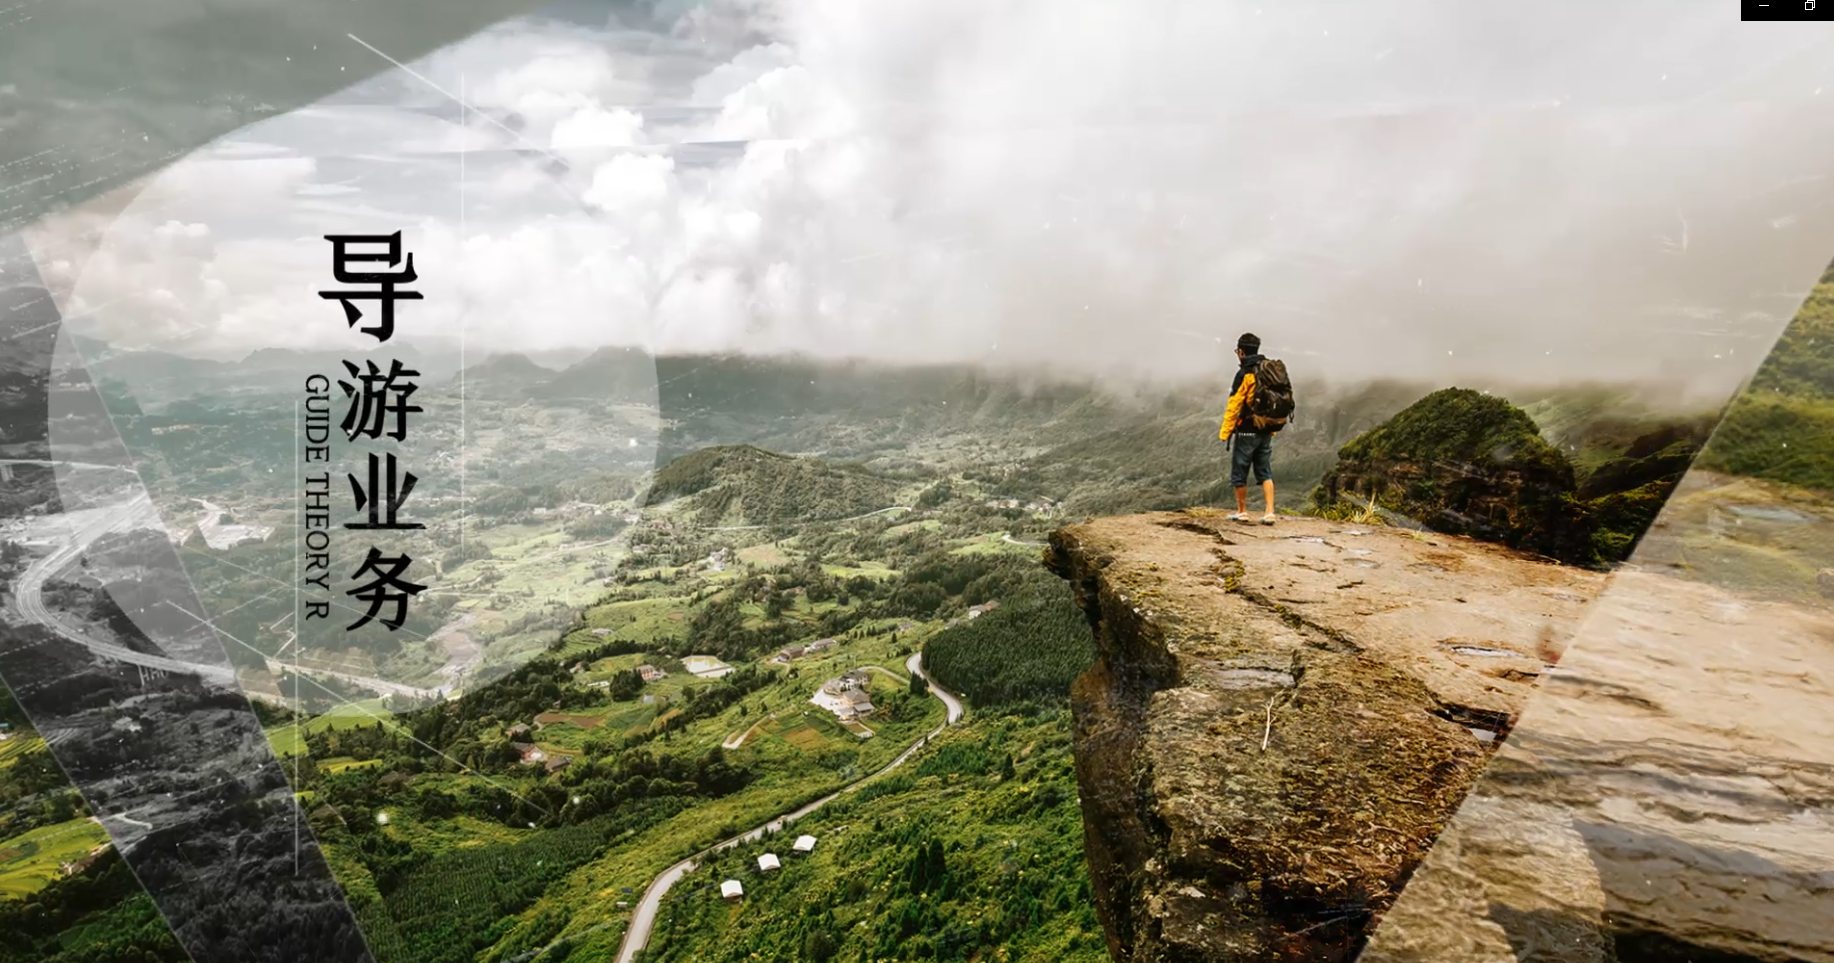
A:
<point x="287" y="740"/>
<point x="31" y="861"/>
<point x="17" y="746"/>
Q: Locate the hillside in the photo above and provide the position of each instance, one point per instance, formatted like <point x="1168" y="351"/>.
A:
<point x="746" y="485"/>
<point x="509" y="376"/>
<point x="614" y="375"/>
<point x="158" y="378"/>
<point x="974" y="852"/>
<point x="478" y="856"/>
<point x="99" y="914"/>
<point x="1777" y="430"/>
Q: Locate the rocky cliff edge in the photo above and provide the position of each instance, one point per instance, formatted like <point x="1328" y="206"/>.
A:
<point x="1283" y="718"/>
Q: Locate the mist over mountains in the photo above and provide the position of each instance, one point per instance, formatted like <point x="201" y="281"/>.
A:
<point x="1423" y="194"/>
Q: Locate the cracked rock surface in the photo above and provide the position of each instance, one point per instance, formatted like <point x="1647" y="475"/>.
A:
<point x="1668" y="795"/>
<point x="1283" y="718"/>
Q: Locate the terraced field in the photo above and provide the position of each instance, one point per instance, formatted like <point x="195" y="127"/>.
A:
<point x="30" y="862"/>
<point x="18" y="745"/>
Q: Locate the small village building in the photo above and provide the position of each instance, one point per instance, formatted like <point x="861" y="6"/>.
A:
<point x="804" y="844"/>
<point x="731" y="891"/>
<point x="530" y="754"/>
<point x="519" y="729"/>
<point x="846" y="696"/>
<point x="857" y="700"/>
<point x="558" y="763"/>
<point x="768" y="863"/>
<point x="820" y="645"/>
<point x="650" y="673"/>
<point x="848" y="681"/>
<point x="792" y="652"/>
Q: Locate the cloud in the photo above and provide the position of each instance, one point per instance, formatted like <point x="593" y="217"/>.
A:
<point x="595" y="127"/>
<point x="1094" y="185"/>
<point x="221" y="182"/>
<point x="1406" y="188"/>
<point x="740" y="72"/>
<point x="163" y="287"/>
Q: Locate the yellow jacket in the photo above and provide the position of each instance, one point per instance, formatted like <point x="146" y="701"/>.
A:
<point x="1238" y="406"/>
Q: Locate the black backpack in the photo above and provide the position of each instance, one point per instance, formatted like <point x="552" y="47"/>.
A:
<point x="1271" y="404"/>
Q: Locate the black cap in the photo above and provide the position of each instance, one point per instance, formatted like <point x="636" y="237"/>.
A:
<point x="1248" y="343"/>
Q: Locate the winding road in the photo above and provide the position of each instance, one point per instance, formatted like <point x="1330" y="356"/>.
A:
<point x="137" y="512"/>
<point x="29" y="598"/>
<point x="643" y="918"/>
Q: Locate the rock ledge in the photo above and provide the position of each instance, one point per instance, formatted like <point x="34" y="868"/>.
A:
<point x="1283" y="718"/>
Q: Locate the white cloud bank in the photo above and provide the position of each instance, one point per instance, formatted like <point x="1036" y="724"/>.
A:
<point x="1412" y="187"/>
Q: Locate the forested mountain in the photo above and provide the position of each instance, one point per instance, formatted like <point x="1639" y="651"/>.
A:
<point x="743" y="484"/>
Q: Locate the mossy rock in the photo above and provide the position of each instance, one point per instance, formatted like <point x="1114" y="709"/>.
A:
<point x="1464" y="426"/>
<point x="1467" y="463"/>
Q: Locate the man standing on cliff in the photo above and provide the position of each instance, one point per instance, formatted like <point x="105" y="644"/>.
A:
<point x="1260" y="400"/>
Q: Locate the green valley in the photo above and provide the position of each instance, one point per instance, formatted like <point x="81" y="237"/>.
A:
<point x="619" y="664"/>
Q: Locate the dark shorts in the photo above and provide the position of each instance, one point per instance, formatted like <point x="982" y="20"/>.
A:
<point x="1251" y="450"/>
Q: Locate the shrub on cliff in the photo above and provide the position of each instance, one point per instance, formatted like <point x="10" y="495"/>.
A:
<point x="1466" y="463"/>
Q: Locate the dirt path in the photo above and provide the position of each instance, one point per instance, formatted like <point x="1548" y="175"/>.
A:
<point x="743" y="736"/>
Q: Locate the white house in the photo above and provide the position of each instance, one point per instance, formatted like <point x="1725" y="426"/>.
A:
<point x="842" y="696"/>
<point x="804" y="844"/>
<point x="731" y="891"/>
<point x="768" y="863"/>
<point x="858" y="701"/>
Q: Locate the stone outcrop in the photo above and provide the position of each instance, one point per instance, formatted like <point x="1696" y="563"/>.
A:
<point x="1468" y="463"/>
<point x="1283" y="718"/>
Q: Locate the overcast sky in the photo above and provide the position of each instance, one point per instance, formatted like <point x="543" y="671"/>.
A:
<point x="1436" y="188"/>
